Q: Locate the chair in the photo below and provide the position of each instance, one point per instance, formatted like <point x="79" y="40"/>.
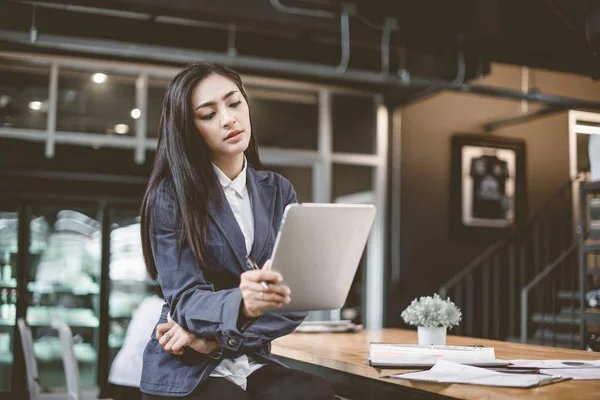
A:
<point x="70" y="362"/>
<point x="71" y="367"/>
<point x="33" y="382"/>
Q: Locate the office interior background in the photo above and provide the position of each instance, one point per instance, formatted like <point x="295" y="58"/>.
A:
<point x="354" y="102"/>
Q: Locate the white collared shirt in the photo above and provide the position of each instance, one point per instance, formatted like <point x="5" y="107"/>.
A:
<point x="238" y="198"/>
<point x="237" y="195"/>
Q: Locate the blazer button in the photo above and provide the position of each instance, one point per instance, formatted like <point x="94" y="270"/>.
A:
<point x="232" y="342"/>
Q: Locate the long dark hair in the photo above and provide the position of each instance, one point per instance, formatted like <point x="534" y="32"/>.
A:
<point x="183" y="164"/>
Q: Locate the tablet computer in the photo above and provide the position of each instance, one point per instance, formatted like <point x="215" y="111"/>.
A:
<point x="318" y="249"/>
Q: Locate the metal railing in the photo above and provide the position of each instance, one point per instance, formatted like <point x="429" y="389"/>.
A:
<point x="487" y="289"/>
<point x="540" y="299"/>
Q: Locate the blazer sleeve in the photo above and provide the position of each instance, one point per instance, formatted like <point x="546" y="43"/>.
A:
<point x="270" y="326"/>
<point x="193" y="302"/>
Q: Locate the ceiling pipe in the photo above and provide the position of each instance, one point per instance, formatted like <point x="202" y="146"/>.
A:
<point x="389" y="25"/>
<point x="90" y="10"/>
<point x="33" y="33"/>
<point x="524" y="88"/>
<point x="325" y="14"/>
<point x="345" y="29"/>
<point x="300" y="69"/>
<point x="302" y="11"/>
<point x="519" y="119"/>
<point x="461" y="69"/>
<point x="166" y="19"/>
<point x="347" y="10"/>
<point x="456" y="83"/>
<point x="231" y="50"/>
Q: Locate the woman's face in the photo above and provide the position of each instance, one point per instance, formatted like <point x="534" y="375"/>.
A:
<point x="221" y="116"/>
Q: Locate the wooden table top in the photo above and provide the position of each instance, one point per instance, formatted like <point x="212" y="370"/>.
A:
<point x="348" y="352"/>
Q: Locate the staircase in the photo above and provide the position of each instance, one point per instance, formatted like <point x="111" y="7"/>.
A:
<point x="526" y="288"/>
<point x="550" y="304"/>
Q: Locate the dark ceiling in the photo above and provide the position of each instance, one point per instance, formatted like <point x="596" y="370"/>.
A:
<point x="552" y="34"/>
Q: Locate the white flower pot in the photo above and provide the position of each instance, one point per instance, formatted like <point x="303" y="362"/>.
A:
<point x="432" y="336"/>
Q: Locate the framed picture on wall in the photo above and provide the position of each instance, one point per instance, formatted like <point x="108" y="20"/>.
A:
<point x="488" y="186"/>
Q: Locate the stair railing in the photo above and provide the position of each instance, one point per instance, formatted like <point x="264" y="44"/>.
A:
<point x="541" y="292"/>
<point x="487" y="289"/>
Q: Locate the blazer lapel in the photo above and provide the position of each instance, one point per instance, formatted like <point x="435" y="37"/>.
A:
<point x="223" y="217"/>
<point x="263" y="203"/>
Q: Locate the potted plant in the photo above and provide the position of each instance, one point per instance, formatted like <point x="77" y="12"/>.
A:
<point x="432" y="316"/>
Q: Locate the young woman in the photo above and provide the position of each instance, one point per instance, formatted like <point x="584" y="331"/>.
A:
<point x="209" y="220"/>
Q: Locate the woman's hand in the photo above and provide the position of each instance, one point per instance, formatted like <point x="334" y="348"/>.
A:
<point x="173" y="338"/>
<point x="256" y="297"/>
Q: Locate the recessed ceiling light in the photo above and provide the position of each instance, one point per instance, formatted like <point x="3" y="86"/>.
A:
<point x="36" y="105"/>
<point x="121" y="129"/>
<point x="99" y="77"/>
<point x="135" y="113"/>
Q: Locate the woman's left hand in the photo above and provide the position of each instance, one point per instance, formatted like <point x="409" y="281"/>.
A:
<point x="173" y="338"/>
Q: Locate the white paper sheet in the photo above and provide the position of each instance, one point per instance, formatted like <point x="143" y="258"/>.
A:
<point x="406" y="355"/>
<point x="450" y="372"/>
<point x="555" y="364"/>
<point x="581" y="374"/>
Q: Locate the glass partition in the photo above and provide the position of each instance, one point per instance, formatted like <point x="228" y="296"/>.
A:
<point x="65" y="249"/>
<point x="9" y="233"/>
<point x="24" y="94"/>
<point x="96" y="102"/>
<point x="353" y="124"/>
<point x="289" y="122"/>
<point x="301" y="179"/>
<point x="129" y="282"/>
<point x="354" y="185"/>
<point x="157" y="89"/>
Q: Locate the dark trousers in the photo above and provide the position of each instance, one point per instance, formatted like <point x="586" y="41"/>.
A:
<point x="268" y="382"/>
<point x="118" y="392"/>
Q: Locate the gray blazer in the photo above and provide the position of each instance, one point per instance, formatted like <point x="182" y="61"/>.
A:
<point x="205" y="299"/>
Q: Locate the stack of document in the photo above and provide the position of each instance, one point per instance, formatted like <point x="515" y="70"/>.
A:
<point x="328" y="327"/>
<point x="574" y="369"/>
<point x="387" y="355"/>
<point x="451" y="372"/>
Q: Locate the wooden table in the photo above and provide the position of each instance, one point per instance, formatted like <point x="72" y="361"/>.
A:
<point x="342" y="358"/>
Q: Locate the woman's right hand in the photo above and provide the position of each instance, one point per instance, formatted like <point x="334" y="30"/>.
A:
<point x="174" y="339"/>
<point x="256" y="298"/>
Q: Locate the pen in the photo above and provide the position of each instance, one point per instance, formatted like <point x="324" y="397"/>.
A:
<point x="254" y="266"/>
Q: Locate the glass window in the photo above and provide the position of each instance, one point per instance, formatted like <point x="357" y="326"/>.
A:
<point x="64" y="289"/>
<point x="354" y="124"/>
<point x="351" y="182"/>
<point x="156" y="94"/>
<point x="583" y="153"/>
<point x="129" y="282"/>
<point x="286" y="120"/>
<point x="301" y="179"/>
<point x="96" y="102"/>
<point x="354" y="184"/>
<point x="8" y="295"/>
<point x="23" y="94"/>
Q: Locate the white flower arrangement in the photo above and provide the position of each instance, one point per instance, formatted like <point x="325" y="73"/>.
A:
<point x="432" y="312"/>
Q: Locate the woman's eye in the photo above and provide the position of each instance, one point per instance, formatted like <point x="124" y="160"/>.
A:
<point x="234" y="105"/>
<point x="207" y="117"/>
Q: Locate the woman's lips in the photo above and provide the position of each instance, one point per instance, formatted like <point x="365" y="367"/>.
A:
<point x="234" y="136"/>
